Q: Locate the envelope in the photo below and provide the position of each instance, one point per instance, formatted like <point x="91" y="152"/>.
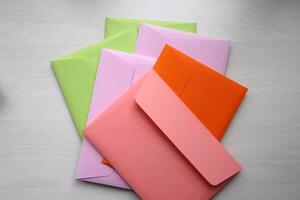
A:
<point x="117" y="25"/>
<point x="212" y="97"/>
<point x="76" y="71"/>
<point x="210" y="51"/>
<point x="118" y="72"/>
<point x="156" y="143"/>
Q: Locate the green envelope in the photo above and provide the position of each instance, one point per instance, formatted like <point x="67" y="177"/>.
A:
<point x="76" y="71"/>
<point x="116" y="25"/>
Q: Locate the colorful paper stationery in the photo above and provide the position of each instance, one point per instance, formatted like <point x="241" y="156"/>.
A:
<point x="153" y="137"/>
<point x="105" y="92"/>
<point x="151" y="103"/>
<point x="210" y="51"/>
<point x="76" y="71"/>
<point x="109" y="86"/>
<point x="117" y="73"/>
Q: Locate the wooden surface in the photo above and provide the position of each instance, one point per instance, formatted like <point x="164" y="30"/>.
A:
<point x="39" y="146"/>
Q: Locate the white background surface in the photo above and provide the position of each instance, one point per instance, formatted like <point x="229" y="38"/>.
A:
<point x="39" y="146"/>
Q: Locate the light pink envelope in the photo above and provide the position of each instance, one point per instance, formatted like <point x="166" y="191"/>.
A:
<point x="117" y="73"/>
<point x="210" y="51"/>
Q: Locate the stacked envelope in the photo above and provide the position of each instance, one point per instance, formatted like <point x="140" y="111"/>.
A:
<point x="151" y="103"/>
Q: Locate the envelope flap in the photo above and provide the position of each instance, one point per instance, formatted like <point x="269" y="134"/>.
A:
<point x="114" y="26"/>
<point x="132" y="58"/>
<point x="172" y="33"/>
<point x="117" y="25"/>
<point x="138" y="64"/>
<point x="88" y="54"/>
<point x="185" y="131"/>
<point x="124" y="41"/>
<point x="113" y="78"/>
<point x="89" y="165"/>
<point x="75" y="77"/>
<point x="76" y="72"/>
<point x="150" y="41"/>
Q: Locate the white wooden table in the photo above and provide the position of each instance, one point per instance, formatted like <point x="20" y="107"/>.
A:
<point x="39" y="146"/>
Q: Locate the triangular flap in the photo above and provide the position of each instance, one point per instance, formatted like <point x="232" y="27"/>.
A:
<point x="75" y="77"/>
<point x="115" y="57"/>
<point x="150" y="42"/>
<point x="168" y="32"/>
<point x="91" y="52"/>
<point x="130" y="58"/>
<point x="123" y="23"/>
<point x="89" y="164"/>
<point x="185" y="131"/>
<point x="121" y="63"/>
<point x="180" y="26"/>
<point x="124" y="41"/>
<point x="113" y="78"/>
<point x="114" y="26"/>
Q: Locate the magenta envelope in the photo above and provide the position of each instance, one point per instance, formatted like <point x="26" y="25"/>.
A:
<point x="210" y="51"/>
<point x="117" y="73"/>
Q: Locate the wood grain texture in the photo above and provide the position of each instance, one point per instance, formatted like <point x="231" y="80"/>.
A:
<point x="39" y="146"/>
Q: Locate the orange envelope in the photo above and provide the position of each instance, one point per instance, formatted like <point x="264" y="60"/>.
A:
<point x="156" y="143"/>
<point x="212" y="97"/>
